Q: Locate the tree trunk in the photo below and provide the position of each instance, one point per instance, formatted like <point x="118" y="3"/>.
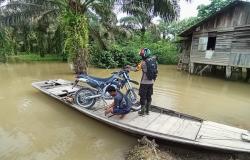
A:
<point x="164" y="35"/>
<point x="80" y="62"/>
<point x="143" y="31"/>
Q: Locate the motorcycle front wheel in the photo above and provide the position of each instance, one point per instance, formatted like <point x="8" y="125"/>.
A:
<point x="133" y="98"/>
<point x="81" y="98"/>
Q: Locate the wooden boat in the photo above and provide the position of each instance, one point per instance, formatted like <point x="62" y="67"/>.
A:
<point x="161" y="123"/>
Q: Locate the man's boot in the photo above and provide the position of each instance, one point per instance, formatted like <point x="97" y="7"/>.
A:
<point x="148" y="108"/>
<point x="142" y="111"/>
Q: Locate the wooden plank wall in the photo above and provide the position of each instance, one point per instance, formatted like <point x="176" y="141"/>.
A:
<point x="186" y="51"/>
<point x="240" y="53"/>
<point x="233" y="17"/>
<point x="222" y="50"/>
<point x="233" y="38"/>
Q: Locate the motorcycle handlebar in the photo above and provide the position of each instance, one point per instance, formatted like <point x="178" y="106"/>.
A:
<point x="121" y="71"/>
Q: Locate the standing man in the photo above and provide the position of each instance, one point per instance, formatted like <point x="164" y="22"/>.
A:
<point x="149" y="69"/>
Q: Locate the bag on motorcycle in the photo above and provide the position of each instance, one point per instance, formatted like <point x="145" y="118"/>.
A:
<point x="152" y="68"/>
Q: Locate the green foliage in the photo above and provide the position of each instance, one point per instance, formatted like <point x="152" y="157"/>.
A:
<point x="76" y="39"/>
<point x="28" y="57"/>
<point x="6" y="44"/>
<point x="215" y="5"/>
<point x="117" y="56"/>
<point x="121" y="54"/>
<point x="177" y="27"/>
<point x="63" y="27"/>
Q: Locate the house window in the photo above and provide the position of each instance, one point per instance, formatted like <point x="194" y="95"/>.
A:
<point x="207" y="43"/>
<point x="211" y="43"/>
<point x="202" y="44"/>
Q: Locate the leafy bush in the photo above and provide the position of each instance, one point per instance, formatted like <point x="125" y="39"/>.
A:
<point x="121" y="54"/>
<point x="115" y="57"/>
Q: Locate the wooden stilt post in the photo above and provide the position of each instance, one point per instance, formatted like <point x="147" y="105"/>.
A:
<point x="244" y="74"/>
<point x="228" y="72"/>
<point x="191" y="68"/>
<point x="248" y="74"/>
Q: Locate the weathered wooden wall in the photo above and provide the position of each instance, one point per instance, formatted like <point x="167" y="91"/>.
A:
<point x="222" y="50"/>
<point x="232" y="29"/>
<point x="240" y="53"/>
<point x="186" y="51"/>
<point x="232" y="17"/>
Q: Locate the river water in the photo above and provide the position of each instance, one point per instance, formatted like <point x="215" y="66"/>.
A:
<point x="34" y="126"/>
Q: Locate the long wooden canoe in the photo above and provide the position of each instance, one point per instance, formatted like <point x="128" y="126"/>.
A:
<point x="161" y="123"/>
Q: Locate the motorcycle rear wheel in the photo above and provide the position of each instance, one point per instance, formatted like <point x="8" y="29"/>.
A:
<point x="134" y="98"/>
<point x="82" y="94"/>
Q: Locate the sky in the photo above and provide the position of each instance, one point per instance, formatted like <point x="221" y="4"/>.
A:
<point x="189" y="9"/>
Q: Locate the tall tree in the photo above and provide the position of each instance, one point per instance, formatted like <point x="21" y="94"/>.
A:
<point x="140" y="18"/>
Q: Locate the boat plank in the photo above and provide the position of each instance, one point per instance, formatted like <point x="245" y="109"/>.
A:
<point x="61" y="81"/>
<point x="221" y="135"/>
<point x="59" y="90"/>
<point x="144" y="121"/>
<point x="175" y="126"/>
<point x="99" y="111"/>
<point x="225" y="127"/>
<point x="126" y="119"/>
<point x="159" y="123"/>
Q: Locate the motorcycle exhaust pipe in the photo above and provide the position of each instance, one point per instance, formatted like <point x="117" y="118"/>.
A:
<point x="95" y="96"/>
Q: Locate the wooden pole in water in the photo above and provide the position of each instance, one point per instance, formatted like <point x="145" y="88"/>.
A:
<point x="228" y="72"/>
<point x="191" y="68"/>
<point x="244" y="74"/>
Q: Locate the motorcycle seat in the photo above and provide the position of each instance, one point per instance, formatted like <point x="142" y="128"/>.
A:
<point x="105" y="80"/>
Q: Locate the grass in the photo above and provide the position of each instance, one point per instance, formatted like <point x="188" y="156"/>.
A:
<point x="34" y="57"/>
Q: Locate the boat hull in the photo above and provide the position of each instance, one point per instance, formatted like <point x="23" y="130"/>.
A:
<point x="161" y="124"/>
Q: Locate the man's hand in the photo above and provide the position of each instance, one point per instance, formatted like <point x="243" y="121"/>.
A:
<point x="107" y="107"/>
<point x="131" y="68"/>
<point x="127" y="67"/>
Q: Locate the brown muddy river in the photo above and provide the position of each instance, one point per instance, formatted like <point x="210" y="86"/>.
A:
<point x="34" y="126"/>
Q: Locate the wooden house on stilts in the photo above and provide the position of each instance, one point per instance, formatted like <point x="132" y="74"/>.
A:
<point x="222" y="39"/>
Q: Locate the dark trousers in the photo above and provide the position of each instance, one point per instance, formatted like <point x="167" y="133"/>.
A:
<point x="145" y="92"/>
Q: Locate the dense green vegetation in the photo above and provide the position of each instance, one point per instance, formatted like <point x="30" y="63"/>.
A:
<point x="126" y="52"/>
<point x="6" y="44"/>
<point x="89" y="31"/>
<point x="27" y="57"/>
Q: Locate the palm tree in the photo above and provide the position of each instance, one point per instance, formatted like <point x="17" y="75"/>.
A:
<point x="140" y="18"/>
<point x="73" y="15"/>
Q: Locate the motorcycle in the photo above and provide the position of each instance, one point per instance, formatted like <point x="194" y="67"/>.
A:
<point x="86" y="97"/>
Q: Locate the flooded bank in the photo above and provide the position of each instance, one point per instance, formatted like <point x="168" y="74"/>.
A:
<point x="33" y="125"/>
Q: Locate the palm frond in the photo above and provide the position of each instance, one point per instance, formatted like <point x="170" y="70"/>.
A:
<point x="166" y="9"/>
<point x="17" y="11"/>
